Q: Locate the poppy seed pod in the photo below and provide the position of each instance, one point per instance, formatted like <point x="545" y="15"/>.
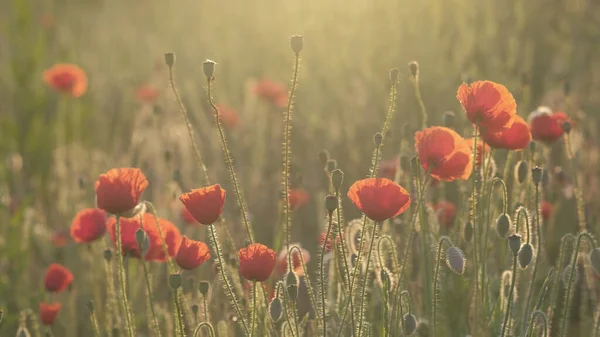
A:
<point x="522" y="171"/>
<point x="331" y="203"/>
<point x="536" y="174"/>
<point x="175" y="281"/>
<point x="337" y="178"/>
<point x="409" y="324"/>
<point x="378" y="138"/>
<point x="331" y="165"/>
<point x="455" y="259"/>
<point x="525" y="255"/>
<point x="502" y="225"/>
<point x="203" y="287"/>
<point x="170" y="59"/>
<point x="514" y="243"/>
<point x="414" y="68"/>
<point x="595" y="259"/>
<point x="414" y="166"/>
<point x="394" y="75"/>
<point x="141" y="238"/>
<point x="209" y="68"/>
<point x="275" y="309"/>
<point x="468" y="231"/>
<point x="297" y="43"/>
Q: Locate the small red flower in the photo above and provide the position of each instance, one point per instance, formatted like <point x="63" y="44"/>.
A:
<point x="192" y="253"/>
<point x="516" y="137"/>
<point x="146" y="94"/>
<point x="129" y="245"/>
<point x="272" y="92"/>
<point x="60" y="238"/>
<point x="482" y="149"/>
<point x="446" y="213"/>
<point x="388" y="168"/>
<point x="298" y="198"/>
<point x="66" y="78"/>
<point x="58" y="278"/>
<point x="119" y="190"/>
<point x="379" y="198"/>
<point x="546" y="126"/>
<point x="546" y="210"/>
<point x="256" y="262"/>
<point x="88" y="225"/>
<point x="444" y="153"/>
<point x="489" y="103"/>
<point x="282" y="261"/>
<point x="48" y="312"/>
<point x="228" y="116"/>
<point x="205" y="204"/>
<point x="187" y="217"/>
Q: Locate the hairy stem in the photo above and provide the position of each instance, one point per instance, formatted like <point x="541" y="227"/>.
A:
<point x="121" y="272"/>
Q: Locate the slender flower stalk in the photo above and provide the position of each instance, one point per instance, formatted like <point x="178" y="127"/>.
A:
<point x="208" y="326"/>
<point x="93" y="319"/>
<point x="322" y="266"/>
<point x="566" y="239"/>
<point x="121" y="274"/>
<point x="510" y="296"/>
<point x="443" y="240"/>
<point x="544" y="320"/>
<point x="254" y="309"/>
<point x="473" y="218"/>
<point x="150" y="299"/>
<point x="539" y="249"/>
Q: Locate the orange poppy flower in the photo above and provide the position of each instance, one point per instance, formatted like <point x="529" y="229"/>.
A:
<point x="66" y="78"/>
<point x="228" y="116"/>
<point x="146" y="94"/>
<point x="298" y="198"/>
<point x="119" y="190"/>
<point x="88" y="225"/>
<point x="155" y="252"/>
<point x="58" y="278"/>
<point x="60" y="238"/>
<point x="187" y="217"/>
<point x="516" y="137"/>
<point x="446" y="213"/>
<point x="282" y="261"/>
<point x="192" y="254"/>
<point x="546" y="210"/>
<point x="272" y="92"/>
<point x="48" y="312"/>
<point x="379" y="198"/>
<point x="257" y="262"/>
<point x="487" y="102"/>
<point x="546" y="126"/>
<point x="444" y="153"/>
<point x="482" y="149"/>
<point x="205" y="204"/>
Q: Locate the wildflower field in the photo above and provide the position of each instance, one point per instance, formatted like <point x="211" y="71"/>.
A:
<point x="299" y="168"/>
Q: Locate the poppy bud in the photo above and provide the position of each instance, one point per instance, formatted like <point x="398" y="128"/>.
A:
<point x="209" y="68"/>
<point x="514" y="243"/>
<point x="536" y="174"/>
<point x="595" y="260"/>
<point x="292" y="292"/>
<point x="91" y="306"/>
<point x="297" y="42"/>
<point x="331" y="165"/>
<point x="175" y="281"/>
<point x="107" y="255"/>
<point x="142" y="241"/>
<point x="414" y="166"/>
<point x="291" y="279"/>
<point x="468" y="232"/>
<point x="394" y="75"/>
<point x="525" y="255"/>
<point x="170" y="59"/>
<point x="194" y="308"/>
<point x="567" y="127"/>
<point x="323" y="157"/>
<point x="275" y="309"/>
<point x="414" y="68"/>
<point x="455" y="259"/>
<point x="449" y="119"/>
<point x="378" y="138"/>
<point x="203" y="287"/>
<point x="410" y="324"/>
<point x="337" y="177"/>
<point x="331" y="203"/>
<point x="502" y="225"/>
<point x="522" y="171"/>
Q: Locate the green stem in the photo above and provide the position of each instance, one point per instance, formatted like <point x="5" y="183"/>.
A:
<point x="555" y="283"/>
<point x="254" y="309"/>
<point x="532" y="323"/>
<point x="178" y="313"/>
<point x="344" y="258"/>
<point x="208" y="326"/>
<point x="322" y="273"/>
<point x="510" y="297"/>
<point x="422" y="109"/>
<point x="121" y="272"/>
<point x="539" y="251"/>
<point x="150" y="299"/>
<point x="204" y="304"/>
<point x="363" y="298"/>
<point x="474" y="221"/>
<point x="287" y="307"/>
<point x="522" y="210"/>
<point x="94" y="322"/>
<point x="443" y="240"/>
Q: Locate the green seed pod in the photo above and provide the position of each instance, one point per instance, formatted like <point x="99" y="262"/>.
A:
<point x="595" y="260"/>
<point x="91" y="306"/>
<point x="394" y="75"/>
<point x="331" y="203"/>
<point x="514" y="243"/>
<point x="468" y="231"/>
<point x="455" y="260"/>
<point x="409" y="324"/>
<point x="170" y="59"/>
<point x="525" y="255"/>
<point x="142" y="241"/>
<point x="503" y="225"/>
<point x="522" y="171"/>
<point x="175" y="281"/>
<point x="414" y="68"/>
<point x="203" y="287"/>
<point x="275" y="309"/>
<point x="536" y="174"/>
<point x="107" y="255"/>
<point x="378" y="139"/>
<point x="297" y="43"/>
<point x="209" y="68"/>
<point x="337" y="178"/>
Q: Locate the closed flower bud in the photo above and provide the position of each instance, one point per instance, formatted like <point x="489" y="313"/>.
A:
<point x="455" y="259"/>
<point x="409" y="324"/>
<point x="394" y="75"/>
<point x="203" y="287"/>
<point x="175" y="281"/>
<point x="275" y="309"/>
<point x="468" y="232"/>
<point x="297" y="43"/>
<point x="331" y="203"/>
<point x="522" y="171"/>
<point x="449" y="119"/>
<point x="91" y="306"/>
<point x="323" y="157"/>
<point x="525" y="255"/>
<point x="194" y="308"/>
<point x="331" y="165"/>
<point x="595" y="260"/>
<point x="209" y="68"/>
<point x="514" y="243"/>
<point x="502" y="225"/>
<point x="107" y="255"/>
<point x="378" y="138"/>
<point x="292" y="292"/>
<point x="142" y="241"/>
<point x="414" y="68"/>
<point x="567" y="127"/>
<point x="291" y="279"/>
<point x="170" y="59"/>
<point x="337" y="177"/>
<point x="536" y="174"/>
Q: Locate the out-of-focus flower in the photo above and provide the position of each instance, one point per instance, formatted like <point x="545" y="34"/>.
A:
<point x="192" y="254"/>
<point x="272" y="92"/>
<point x="48" y="312"/>
<point x="119" y="190"/>
<point x="228" y="116"/>
<point x="257" y="262"/>
<point x="187" y="217"/>
<point x="60" y="238"/>
<point x="444" y="153"/>
<point x="298" y="198"/>
<point x="146" y="94"/>
<point x="282" y="260"/>
<point x="446" y="213"/>
<point x="58" y="278"/>
<point x="545" y="126"/>
<point x="88" y="225"/>
<point x="388" y="168"/>
<point x="205" y="204"/>
<point x="546" y="210"/>
<point x="66" y="78"/>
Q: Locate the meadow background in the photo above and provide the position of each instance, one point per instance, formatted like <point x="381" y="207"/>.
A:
<point x="341" y="101"/>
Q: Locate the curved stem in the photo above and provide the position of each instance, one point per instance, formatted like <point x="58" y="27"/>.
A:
<point x="94" y="321"/>
<point x="532" y="323"/>
<point x="392" y="248"/>
<point x="443" y="239"/>
<point x="209" y="327"/>
<point x="520" y="211"/>
<point x="150" y="299"/>
<point x="254" y="309"/>
<point x="322" y="273"/>
<point x="311" y="293"/>
<point x="121" y="273"/>
<point x="510" y="296"/>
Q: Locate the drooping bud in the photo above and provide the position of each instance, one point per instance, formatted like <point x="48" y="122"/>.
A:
<point x="209" y="68"/>
<point x="378" y="138"/>
<point x="410" y="324"/>
<point x="292" y="282"/>
<point x="414" y="68"/>
<point x="331" y="203"/>
<point x="170" y="59"/>
<point x="536" y="174"/>
<point x="468" y="231"/>
<point x="337" y="178"/>
<point x="275" y="309"/>
<point x="595" y="260"/>
<point x="455" y="259"/>
<point x="203" y="287"/>
<point x="142" y="241"/>
<point x="297" y="43"/>
<point x="522" y="171"/>
<point x="175" y="281"/>
<point x="514" y="243"/>
<point x="525" y="255"/>
<point x="502" y="225"/>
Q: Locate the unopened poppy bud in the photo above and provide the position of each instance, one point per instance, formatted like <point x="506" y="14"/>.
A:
<point x="468" y="232"/>
<point x="142" y="241"/>
<point x="536" y="174"/>
<point x="522" y="171"/>
<point x="170" y="59"/>
<point x="107" y="254"/>
<point x="410" y="324"/>
<point x="194" y="308"/>
<point x="378" y="139"/>
<point x="331" y="165"/>
<point x="414" y="68"/>
<point x="203" y="287"/>
<point x="449" y="119"/>
<point x="337" y="178"/>
<point x="91" y="306"/>
<point x="209" y="68"/>
<point x="394" y="75"/>
<point x="297" y="42"/>
<point x="323" y="157"/>
<point x="455" y="260"/>
<point x="414" y="166"/>
<point x="567" y="127"/>
<point x="292" y="292"/>
<point x="175" y="281"/>
<point x="514" y="243"/>
<point x="405" y="163"/>
<point x="331" y="203"/>
<point x="595" y="260"/>
<point x="275" y="309"/>
<point x="291" y="279"/>
<point x="502" y="225"/>
<point x="525" y="255"/>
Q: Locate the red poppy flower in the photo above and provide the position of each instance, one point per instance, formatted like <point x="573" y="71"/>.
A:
<point x="60" y="238"/>
<point x="379" y="198"/>
<point x="187" y="217"/>
<point x="146" y="94"/>
<point x="58" y="278"/>
<point x="282" y="261"/>
<point x="119" y="190"/>
<point x="256" y="262"/>
<point x="66" y="78"/>
<point x="156" y="252"/>
<point x="546" y="126"/>
<point x="482" y="149"/>
<point x="48" y="312"/>
<point x="272" y="92"/>
<point x="446" y="213"/>
<point x="298" y="198"/>
<point x="444" y="153"/>
<point x="546" y="210"/>
<point x="487" y="102"/>
<point x="228" y="116"/>
<point x="388" y="168"/>
<point x="205" y="204"/>
<point x="516" y="137"/>
<point x="88" y="225"/>
<point x="192" y="254"/>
